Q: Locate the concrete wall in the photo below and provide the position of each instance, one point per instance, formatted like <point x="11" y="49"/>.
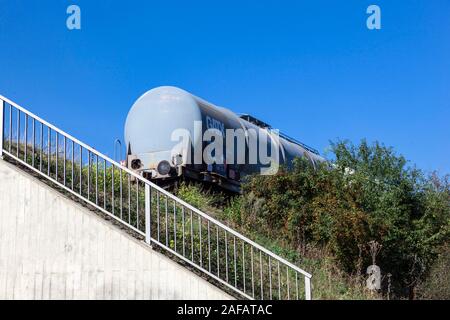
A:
<point x="53" y="248"/>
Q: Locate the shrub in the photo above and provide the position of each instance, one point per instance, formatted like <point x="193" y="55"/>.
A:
<point x="437" y="285"/>
<point x="370" y="194"/>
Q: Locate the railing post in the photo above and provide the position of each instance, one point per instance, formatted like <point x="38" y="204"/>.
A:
<point x="148" y="233"/>
<point x="307" y="288"/>
<point x="2" y="120"/>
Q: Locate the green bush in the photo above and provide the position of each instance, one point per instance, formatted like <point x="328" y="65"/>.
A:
<point x="370" y="194"/>
<point x="338" y="211"/>
<point x="437" y="285"/>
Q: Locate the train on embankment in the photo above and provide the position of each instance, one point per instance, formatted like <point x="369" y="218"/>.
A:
<point x="171" y="134"/>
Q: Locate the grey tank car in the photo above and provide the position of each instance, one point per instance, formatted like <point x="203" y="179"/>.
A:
<point x="172" y="134"/>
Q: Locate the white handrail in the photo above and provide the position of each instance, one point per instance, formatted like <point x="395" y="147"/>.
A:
<point x="152" y="185"/>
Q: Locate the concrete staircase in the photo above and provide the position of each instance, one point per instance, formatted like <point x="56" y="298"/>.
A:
<point x="90" y="228"/>
<point x="54" y="248"/>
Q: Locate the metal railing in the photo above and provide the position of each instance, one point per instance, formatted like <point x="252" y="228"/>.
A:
<point x="163" y="219"/>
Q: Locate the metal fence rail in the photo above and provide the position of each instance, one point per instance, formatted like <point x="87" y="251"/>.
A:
<point x="163" y="219"/>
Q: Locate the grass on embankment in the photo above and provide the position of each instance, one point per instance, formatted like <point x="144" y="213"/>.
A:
<point x="328" y="282"/>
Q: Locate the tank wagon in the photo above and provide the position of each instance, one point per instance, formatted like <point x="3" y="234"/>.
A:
<point x="156" y="151"/>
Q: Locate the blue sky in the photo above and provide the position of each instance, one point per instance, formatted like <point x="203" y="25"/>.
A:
<point x="310" y="68"/>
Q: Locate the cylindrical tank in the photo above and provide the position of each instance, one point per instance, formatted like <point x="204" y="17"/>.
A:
<point x="157" y="114"/>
